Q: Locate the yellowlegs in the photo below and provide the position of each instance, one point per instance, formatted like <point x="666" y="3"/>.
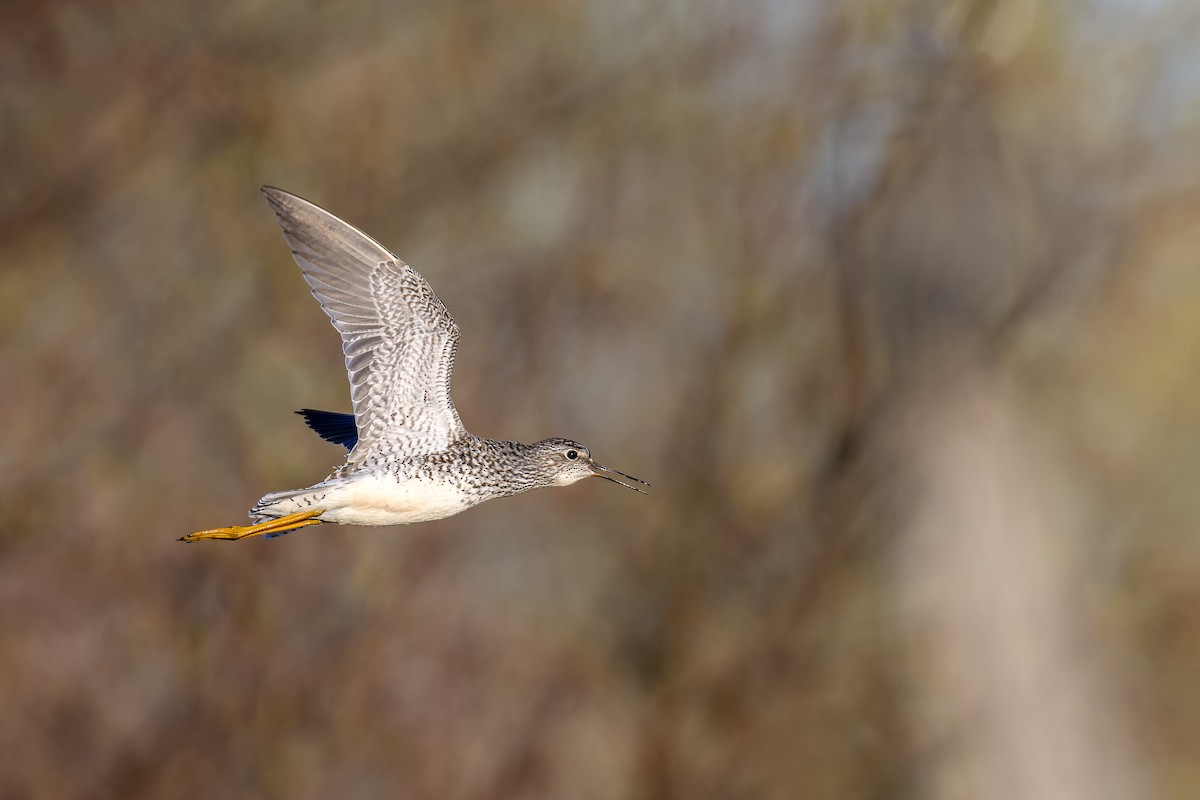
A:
<point x="410" y="459"/>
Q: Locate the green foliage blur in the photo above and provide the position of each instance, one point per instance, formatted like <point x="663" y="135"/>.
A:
<point x="852" y="284"/>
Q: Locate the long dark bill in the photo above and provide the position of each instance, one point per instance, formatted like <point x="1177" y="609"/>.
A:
<point x="600" y="469"/>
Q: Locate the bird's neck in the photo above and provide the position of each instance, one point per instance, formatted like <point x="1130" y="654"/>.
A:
<point x="517" y="471"/>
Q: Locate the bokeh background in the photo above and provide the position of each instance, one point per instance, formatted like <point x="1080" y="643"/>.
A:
<point x="897" y="305"/>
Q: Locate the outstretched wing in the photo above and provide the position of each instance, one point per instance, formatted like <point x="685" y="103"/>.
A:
<point x="398" y="338"/>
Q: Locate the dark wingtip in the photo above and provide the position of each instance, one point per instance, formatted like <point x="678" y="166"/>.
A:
<point x="333" y="427"/>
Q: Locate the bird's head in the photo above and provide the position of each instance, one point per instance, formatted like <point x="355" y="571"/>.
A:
<point x="563" y="462"/>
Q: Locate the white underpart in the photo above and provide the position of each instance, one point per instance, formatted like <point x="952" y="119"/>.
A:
<point x="380" y="499"/>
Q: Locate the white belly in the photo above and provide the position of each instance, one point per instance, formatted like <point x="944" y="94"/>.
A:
<point x="380" y="500"/>
<point x="384" y="501"/>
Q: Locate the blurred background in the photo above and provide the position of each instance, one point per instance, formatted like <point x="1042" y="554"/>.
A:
<point x="895" y="303"/>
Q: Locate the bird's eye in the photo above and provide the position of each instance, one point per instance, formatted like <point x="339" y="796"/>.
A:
<point x="572" y="455"/>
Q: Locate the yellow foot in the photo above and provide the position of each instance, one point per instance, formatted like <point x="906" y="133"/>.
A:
<point x="291" y="522"/>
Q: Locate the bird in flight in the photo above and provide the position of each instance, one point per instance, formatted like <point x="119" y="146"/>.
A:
<point x="410" y="458"/>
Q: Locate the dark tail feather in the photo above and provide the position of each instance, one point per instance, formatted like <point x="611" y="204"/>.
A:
<point x="331" y="426"/>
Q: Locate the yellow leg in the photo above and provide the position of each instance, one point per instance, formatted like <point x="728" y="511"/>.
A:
<point x="291" y="522"/>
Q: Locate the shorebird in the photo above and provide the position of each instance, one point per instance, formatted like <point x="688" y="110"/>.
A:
<point x="410" y="458"/>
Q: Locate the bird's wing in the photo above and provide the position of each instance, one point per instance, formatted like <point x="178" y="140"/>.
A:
<point x="398" y="338"/>
<point x="332" y="426"/>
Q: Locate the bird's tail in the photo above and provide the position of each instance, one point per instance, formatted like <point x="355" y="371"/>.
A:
<point x="280" y="504"/>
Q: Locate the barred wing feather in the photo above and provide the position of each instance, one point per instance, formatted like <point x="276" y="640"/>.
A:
<point x="398" y="338"/>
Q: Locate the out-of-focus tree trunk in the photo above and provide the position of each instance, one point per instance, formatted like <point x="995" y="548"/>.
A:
<point x="1006" y="672"/>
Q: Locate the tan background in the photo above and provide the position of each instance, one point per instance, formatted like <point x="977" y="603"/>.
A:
<point x="897" y="305"/>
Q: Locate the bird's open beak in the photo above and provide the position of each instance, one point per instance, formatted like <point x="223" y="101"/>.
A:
<point x="601" y="471"/>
